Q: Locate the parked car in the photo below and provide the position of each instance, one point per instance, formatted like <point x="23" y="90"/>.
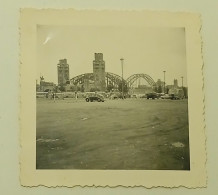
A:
<point x="134" y="96"/>
<point x="114" y="96"/>
<point x="166" y="96"/>
<point x="159" y="95"/>
<point x="95" y="97"/>
<point x="143" y="96"/>
<point x="174" y="97"/>
<point x="152" y="95"/>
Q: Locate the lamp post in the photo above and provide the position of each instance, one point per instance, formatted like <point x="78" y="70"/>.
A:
<point x="122" y="75"/>
<point x="182" y="86"/>
<point x="182" y="83"/>
<point x="164" y="80"/>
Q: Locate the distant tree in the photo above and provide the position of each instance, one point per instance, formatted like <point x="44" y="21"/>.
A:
<point x="159" y="89"/>
<point x="110" y="87"/>
<point x="72" y="88"/>
<point x="82" y="88"/>
<point x="94" y="89"/>
<point x="62" y="88"/>
<point x="167" y="90"/>
<point x="155" y="88"/>
<point x="78" y="88"/>
<point x="55" y="89"/>
<point x="125" y="87"/>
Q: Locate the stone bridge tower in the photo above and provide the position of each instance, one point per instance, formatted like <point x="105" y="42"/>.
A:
<point x="63" y="72"/>
<point x="99" y="72"/>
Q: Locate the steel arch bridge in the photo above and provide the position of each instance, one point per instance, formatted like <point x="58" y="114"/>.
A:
<point x="113" y="79"/>
<point x="130" y="80"/>
<point x="80" y="78"/>
<point x="110" y="77"/>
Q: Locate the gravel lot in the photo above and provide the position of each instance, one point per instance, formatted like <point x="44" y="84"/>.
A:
<point x="131" y="134"/>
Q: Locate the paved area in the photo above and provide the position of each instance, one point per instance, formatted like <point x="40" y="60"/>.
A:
<point x="131" y="134"/>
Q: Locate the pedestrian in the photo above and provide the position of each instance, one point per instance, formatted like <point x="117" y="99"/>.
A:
<point x="76" y="95"/>
<point x="53" y="96"/>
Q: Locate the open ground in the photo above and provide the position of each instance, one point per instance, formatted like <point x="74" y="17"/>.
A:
<point x="131" y="134"/>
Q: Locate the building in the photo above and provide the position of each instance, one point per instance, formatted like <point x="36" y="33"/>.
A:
<point x="99" y="72"/>
<point x="175" y="83"/>
<point x="63" y="72"/>
<point x="176" y="90"/>
<point x="46" y="86"/>
<point x="174" y="86"/>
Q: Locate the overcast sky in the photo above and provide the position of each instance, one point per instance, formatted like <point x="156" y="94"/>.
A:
<point x="145" y="50"/>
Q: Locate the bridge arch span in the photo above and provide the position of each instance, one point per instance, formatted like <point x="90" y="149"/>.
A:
<point x="116" y="79"/>
<point x="130" y="80"/>
<point x="113" y="78"/>
<point x="109" y="77"/>
<point x="80" y="78"/>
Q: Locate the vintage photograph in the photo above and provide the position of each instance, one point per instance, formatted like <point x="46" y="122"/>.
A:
<point x="111" y="98"/>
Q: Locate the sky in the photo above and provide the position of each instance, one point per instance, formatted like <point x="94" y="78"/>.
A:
<point x="148" y="50"/>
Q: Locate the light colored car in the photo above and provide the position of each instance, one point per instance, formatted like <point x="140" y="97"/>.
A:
<point x="134" y="96"/>
<point x="166" y="96"/>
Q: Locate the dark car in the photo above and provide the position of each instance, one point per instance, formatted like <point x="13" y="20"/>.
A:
<point x="114" y="97"/>
<point x="174" y="97"/>
<point x="151" y="95"/>
<point x="95" y="97"/>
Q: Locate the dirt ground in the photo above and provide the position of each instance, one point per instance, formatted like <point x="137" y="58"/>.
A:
<point x="131" y="134"/>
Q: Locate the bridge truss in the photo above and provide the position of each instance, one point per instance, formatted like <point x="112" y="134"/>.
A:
<point x="113" y="79"/>
<point x="80" y="78"/>
<point x="130" y="80"/>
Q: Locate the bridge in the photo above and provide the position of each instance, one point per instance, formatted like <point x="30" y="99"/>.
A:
<point x="113" y="79"/>
<point x="130" y="80"/>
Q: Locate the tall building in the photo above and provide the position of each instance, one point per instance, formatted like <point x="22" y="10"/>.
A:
<point x="63" y="72"/>
<point x="99" y="72"/>
<point x="175" y="82"/>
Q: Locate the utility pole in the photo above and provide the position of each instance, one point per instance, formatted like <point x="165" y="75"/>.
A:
<point x="164" y="80"/>
<point x="182" y="87"/>
<point x="122" y="74"/>
<point x="182" y="83"/>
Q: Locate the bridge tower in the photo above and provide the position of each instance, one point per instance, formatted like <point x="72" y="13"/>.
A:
<point x="99" y="72"/>
<point x="63" y="72"/>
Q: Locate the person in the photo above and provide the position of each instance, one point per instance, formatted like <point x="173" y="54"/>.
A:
<point x="76" y="95"/>
<point x="53" y="96"/>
